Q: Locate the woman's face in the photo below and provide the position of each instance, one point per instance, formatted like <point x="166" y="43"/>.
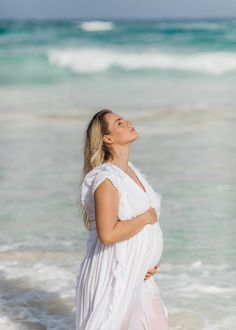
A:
<point x="121" y="130"/>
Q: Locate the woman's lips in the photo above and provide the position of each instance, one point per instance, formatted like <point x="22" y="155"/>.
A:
<point x="132" y="129"/>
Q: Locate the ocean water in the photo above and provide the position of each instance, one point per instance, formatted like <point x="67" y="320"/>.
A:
<point x="176" y="81"/>
<point x="161" y="63"/>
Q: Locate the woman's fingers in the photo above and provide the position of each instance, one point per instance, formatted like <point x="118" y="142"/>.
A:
<point x="152" y="271"/>
<point x="157" y="265"/>
<point x="147" y="276"/>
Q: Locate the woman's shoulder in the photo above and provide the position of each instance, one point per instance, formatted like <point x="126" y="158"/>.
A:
<point x="103" y="168"/>
<point x="99" y="173"/>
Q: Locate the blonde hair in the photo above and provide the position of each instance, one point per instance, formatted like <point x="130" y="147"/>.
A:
<point x="95" y="151"/>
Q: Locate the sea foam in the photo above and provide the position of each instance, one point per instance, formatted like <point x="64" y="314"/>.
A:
<point x="91" y="60"/>
<point x="96" y="26"/>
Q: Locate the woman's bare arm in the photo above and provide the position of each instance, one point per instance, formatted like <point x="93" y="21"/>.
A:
<point x="109" y="229"/>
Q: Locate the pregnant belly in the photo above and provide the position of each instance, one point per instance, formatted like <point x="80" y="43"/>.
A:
<point x="144" y="250"/>
<point x="153" y="244"/>
<point x="137" y="254"/>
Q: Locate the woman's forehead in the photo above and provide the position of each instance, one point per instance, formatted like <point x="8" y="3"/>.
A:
<point x="112" y="118"/>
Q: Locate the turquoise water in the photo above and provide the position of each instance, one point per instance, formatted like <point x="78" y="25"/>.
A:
<point x="165" y="62"/>
<point x="176" y="82"/>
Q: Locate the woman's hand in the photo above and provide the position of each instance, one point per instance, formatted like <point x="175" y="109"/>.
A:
<point x="151" y="215"/>
<point x="151" y="271"/>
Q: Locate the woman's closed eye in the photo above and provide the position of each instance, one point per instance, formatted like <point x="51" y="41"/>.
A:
<point x="120" y="121"/>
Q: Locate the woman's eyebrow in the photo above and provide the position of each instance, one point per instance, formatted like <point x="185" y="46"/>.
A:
<point x="117" y="120"/>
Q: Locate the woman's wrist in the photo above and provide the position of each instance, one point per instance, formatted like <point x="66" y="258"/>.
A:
<point x="146" y="218"/>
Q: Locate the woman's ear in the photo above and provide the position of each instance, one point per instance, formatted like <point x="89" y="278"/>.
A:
<point x="107" y="139"/>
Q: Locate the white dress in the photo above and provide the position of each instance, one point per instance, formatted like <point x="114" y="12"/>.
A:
<point x="110" y="291"/>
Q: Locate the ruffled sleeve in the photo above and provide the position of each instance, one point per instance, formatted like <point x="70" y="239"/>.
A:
<point x="90" y="183"/>
<point x="105" y="173"/>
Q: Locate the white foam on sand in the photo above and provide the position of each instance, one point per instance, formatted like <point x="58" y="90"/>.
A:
<point x="51" y="278"/>
<point x="197" y="288"/>
<point x="227" y="323"/>
<point x="40" y="296"/>
<point x="6" y="323"/>
<point x="42" y="292"/>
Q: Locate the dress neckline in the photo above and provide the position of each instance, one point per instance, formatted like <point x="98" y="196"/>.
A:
<point x="138" y="177"/>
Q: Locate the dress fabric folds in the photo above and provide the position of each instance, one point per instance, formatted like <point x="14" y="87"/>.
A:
<point x="110" y="291"/>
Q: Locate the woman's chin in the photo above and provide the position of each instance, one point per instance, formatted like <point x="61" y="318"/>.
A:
<point x="136" y="136"/>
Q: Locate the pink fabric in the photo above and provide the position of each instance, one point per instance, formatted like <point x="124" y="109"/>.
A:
<point x="149" y="312"/>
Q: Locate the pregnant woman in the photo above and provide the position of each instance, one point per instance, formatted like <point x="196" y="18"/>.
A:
<point x="114" y="290"/>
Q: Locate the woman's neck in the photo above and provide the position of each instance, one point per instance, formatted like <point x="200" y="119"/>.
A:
<point x="120" y="157"/>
